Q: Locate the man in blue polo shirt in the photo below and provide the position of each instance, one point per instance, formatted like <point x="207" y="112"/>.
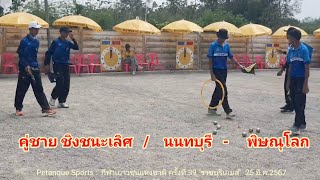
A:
<point x="218" y="54"/>
<point x="29" y="72"/>
<point x="299" y="70"/>
<point x="59" y="51"/>
<point x="289" y="106"/>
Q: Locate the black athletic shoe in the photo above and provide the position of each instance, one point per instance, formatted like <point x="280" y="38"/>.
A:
<point x="287" y="111"/>
<point x="303" y="128"/>
<point x="284" y="107"/>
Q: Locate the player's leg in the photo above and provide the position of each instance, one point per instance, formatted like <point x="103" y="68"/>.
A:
<point x="293" y="94"/>
<point x="40" y="96"/>
<point x="300" y="99"/>
<point x="23" y="84"/>
<point x="217" y="94"/>
<point x="225" y="103"/>
<point x="65" y="89"/>
<point x="57" y="90"/>
<point x="289" y="106"/>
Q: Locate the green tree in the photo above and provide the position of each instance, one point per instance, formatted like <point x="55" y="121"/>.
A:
<point x="209" y="17"/>
<point x="17" y="5"/>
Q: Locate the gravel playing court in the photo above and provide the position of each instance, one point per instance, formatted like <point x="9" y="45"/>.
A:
<point x="160" y="105"/>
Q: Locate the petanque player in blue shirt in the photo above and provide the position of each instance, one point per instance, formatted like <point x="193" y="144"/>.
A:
<point x="59" y="51"/>
<point x="298" y="58"/>
<point x="289" y="106"/>
<point x="29" y="72"/>
<point x="218" y="54"/>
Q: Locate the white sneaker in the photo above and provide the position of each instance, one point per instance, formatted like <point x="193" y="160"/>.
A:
<point x="230" y="115"/>
<point x="295" y="130"/>
<point x="133" y="73"/>
<point x="52" y="102"/>
<point x="63" y="105"/>
<point x="212" y="112"/>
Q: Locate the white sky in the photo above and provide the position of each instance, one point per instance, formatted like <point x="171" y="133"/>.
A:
<point x="310" y="8"/>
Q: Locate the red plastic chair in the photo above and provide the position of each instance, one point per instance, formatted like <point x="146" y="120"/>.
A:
<point x="154" y="62"/>
<point x="246" y="60"/>
<point x="260" y="63"/>
<point x="94" y="62"/>
<point x="126" y="67"/>
<point x="81" y="63"/>
<point x="73" y="65"/>
<point x="282" y="60"/>
<point x="142" y="61"/>
<point x="9" y="63"/>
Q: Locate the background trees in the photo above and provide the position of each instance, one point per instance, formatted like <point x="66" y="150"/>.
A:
<point x="271" y="13"/>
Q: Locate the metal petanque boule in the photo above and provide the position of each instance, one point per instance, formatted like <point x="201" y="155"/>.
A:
<point x="214" y="132"/>
<point x="215" y="122"/>
<point x="218" y="127"/>
<point x="251" y="130"/>
<point x="244" y="134"/>
<point x="258" y="130"/>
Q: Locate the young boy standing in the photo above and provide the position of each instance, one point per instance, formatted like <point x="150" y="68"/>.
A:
<point x="29" y="72"/>
<point x="60" y="52"/>
<point x="218" y="54"/>
<point x="299" y="70"/>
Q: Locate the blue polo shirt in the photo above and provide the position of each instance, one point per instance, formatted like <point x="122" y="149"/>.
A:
<point x="60" y="51"/>
<point x="297" y="58"/>
<point x="310" y="49"/>
<point x="28" y="51"/>
<point x="219" y="55"/>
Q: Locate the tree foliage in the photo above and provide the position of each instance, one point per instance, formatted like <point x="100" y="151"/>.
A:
<point x="107" y="13"/>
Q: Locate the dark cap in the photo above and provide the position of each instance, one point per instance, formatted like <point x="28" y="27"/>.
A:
<point x="295" y="33"/>
<point x="65" y="29"/>
<point x="127" y="46"/>
<point x="289" y="29"/>
<point x="223" y="34"/>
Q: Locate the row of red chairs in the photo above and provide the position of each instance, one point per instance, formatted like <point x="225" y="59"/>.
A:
<point x="81" y="62"/>
<point x="150" y="66"/>
<point x="259" y="60"/>
<point x="91" y="62"/>
<point x="84" y="62"/>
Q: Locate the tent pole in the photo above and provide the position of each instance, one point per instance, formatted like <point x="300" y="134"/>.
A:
<point x="47" y="19"/>
<point x="199" y="51"/>
<point x="81" y="39"/>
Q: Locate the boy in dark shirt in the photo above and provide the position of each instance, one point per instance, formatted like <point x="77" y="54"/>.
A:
<point x="29" y="72"/>
<point x="60" y="53"/>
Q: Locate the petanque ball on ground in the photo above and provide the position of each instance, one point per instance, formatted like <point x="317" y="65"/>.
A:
<point x="215" y="122"/>
<point x="244" y="134"/>
<point x="218" y="126"/>
<point x="258" y="130"/>
<point x="251" y="130"/>
<point x="214" y="132"/>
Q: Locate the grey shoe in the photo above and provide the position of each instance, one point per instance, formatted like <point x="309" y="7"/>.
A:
<point x="230" y="115"/>
<point x="48" y="113"/>
<point x="63" y="105"/>
<point x="213" y="112"/>
<point x="303" y="128"/>
<point x="52" y="102"/>
<point x="295" y="130"/>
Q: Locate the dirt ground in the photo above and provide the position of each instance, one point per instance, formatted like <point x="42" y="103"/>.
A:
<point x="160" y="105"/>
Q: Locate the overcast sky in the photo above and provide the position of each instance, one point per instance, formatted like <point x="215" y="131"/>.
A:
<point x="310" y="8"/>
